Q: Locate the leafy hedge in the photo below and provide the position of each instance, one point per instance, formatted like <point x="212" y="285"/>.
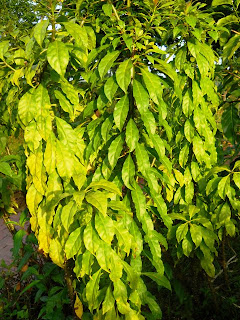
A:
<point x="125" y="106"/>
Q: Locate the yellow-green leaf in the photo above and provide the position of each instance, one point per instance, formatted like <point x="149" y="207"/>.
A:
<point x="40" y="30"/>
<point x="107" y="62"/>
<point x="121" y="111"/>
<point x="58" y="57"/>
<point x="98" y="199"/>
<point x="123" y="74"/>
<point x="78" y="307"/>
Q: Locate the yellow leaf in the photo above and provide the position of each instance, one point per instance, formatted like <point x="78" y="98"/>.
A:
<point x="56" y="252"/>
<point x="78" y="307"/>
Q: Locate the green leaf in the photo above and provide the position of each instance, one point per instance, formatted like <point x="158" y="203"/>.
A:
<point x="198" y="149"/>
<point x="227" y="20"/>
<point x="68" y="213"/>
<point x="162" y="208"/>
<point x="123" y="74"/>
<point x="120" y="295"/>
<point x="230" y="228"/>
<point x="153" y="306"/>
<point x="128" y="172"/>
<point x="212" y="185"/>
<point x="65" y="161"/>
<point x="109" y="301"/>
<point x="229" y="122"/>
<point x="103" y="255"/>
<point x="153" y="241"/>
<point x="3" y="48"/>
<point x="107" y="9"/>
<point x="139" y="202"/>
<point x="141" y="96"/>
<point x="58" y="57"/>
<point x="180" y="58"/>
<point x="26" y="107"/>
<point x="65" y="104"/>
<point x="203" y="65"/>
<point x="50" y="155"/>
<point x="115" y="266"/>
<point x="40" y="30"/>
<point x="110" y="88"/>
<point x="187" y="106"/>
<point x="118" y="205"/>
<point x="159" y="279"/>
<point x="137" y="243"/>
<point x="189" y="131"/>
<point x="196" y="234"/>
<point x="149" y="121"/>
<point x="166" y="68"/>
<point x="132" y="275"/>
<point x="179" y="177"/>
<point x="115" y="150"/>
<point x="225" y="214"/>
<point x="208" y="266"/>
<point x="231" y="47"/>
<point x="78" y="33"/>
<point x="73" y="243"/>
<point x="56" y="253"/>
<point x="153" y="85"/>
<point x="107" y="62"/>
<point x="181" y="232"/>
<point x="91" y="239"/>
<point x="217" y="170"/>
<point x="121" y="111"/>
<point x="132" y="135"/>
<point x="106" y="127"/>
<point x="91" y="37"/>
<point x="189" y="192"/>
<point x="98" y="199"/>
<point x="18" y="241"/>
<point x="236" y="179"/>
<point x="92" y="290"/>
<point x="106" y="185"/>
<point x="224" y="186"/>
<point x="70" y="91"/>
<point x="142" y="158"/>
<point x="236" y="165"/>
<point x="187" y="246"/>
<point x="221" y="2"/>
<point x="33" y="198"/>
<point x="160" y="148"/>
<point x="124" y="237"/>
<point x="6" y="169"/>
<point x="191" y="20"/>
<point x="105" y="228"/>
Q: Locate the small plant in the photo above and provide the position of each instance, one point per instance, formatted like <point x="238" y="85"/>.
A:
<point x="32" y="287"/>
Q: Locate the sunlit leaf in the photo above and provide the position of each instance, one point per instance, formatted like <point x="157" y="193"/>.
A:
<point x="58" y="57"/>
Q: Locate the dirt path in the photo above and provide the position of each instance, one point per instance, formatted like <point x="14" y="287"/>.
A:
<point x="6" y="243"/>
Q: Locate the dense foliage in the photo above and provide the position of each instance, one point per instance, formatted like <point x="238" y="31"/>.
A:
<point x="130" y="113"/>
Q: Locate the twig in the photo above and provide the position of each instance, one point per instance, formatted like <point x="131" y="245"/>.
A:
<point x="235" y="31"/>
